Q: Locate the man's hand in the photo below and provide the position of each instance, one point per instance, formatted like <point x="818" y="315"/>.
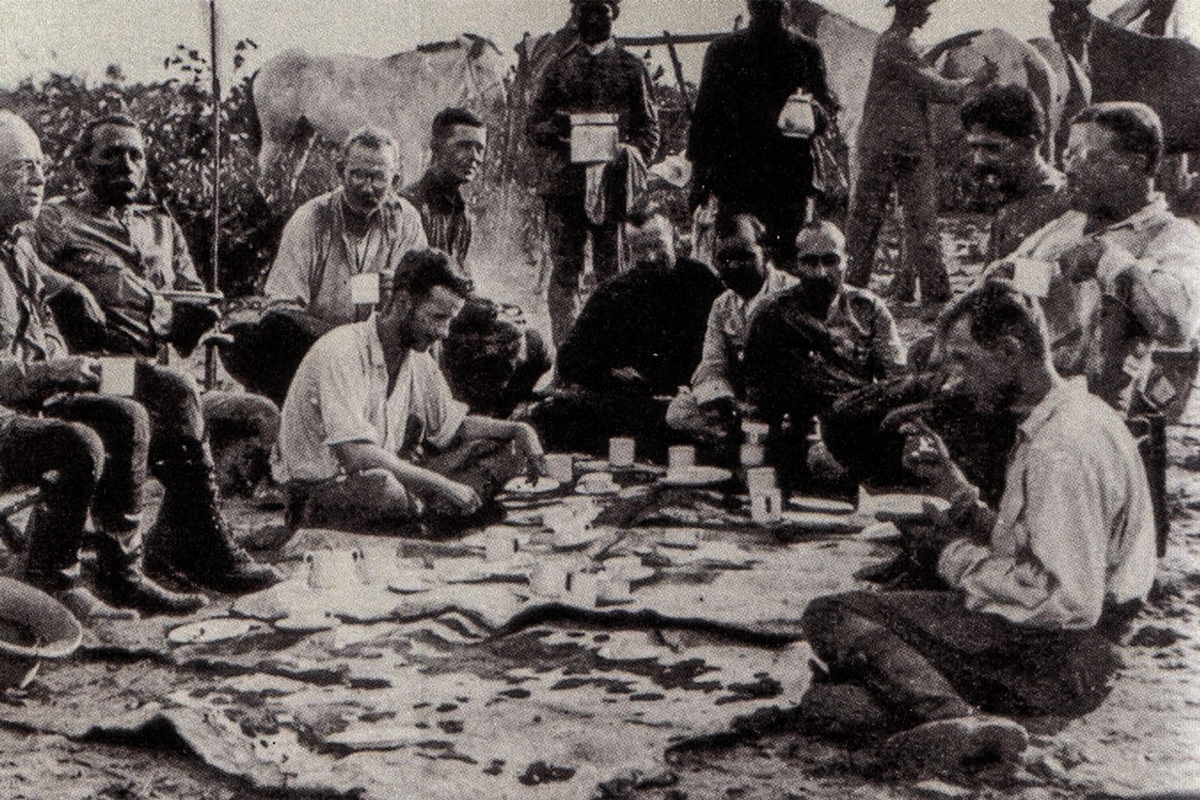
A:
<point x="70" y="374"/>
<point x="91" y="307"/>
<point x="629" y="379"/>
<point x="464" y="498"/>
<point x="926" y="456"/>
<point x="1080" y="263"/>
<point x="529" y="447"/>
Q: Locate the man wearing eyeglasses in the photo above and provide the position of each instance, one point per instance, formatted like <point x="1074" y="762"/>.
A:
<point x="813" y="343"/>
<point x="1119" y="274"/>
<point x="362" y="228"/>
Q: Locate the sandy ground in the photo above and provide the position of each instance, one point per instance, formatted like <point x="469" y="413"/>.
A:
<point x="1144" y="740"/>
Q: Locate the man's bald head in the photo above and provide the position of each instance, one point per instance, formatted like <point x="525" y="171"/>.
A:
<point x="22" y="181"/>
<point x="820" y="237"/>
<point x="820" y="266"/>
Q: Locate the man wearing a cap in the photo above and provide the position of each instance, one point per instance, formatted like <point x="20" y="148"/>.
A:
<point x="895" y="149"/>
<point x="735" y="142"/>
<point x="593" y="76"/>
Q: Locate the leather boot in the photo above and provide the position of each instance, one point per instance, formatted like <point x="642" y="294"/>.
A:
<point x="191" y="540"/>
<point x="120" y="581"/>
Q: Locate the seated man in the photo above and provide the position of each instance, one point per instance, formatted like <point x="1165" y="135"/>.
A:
<point x="813" y="343"/>
<point x="1006" y="128"/>
<point x="367" y="402"/>
<point x="491" y="358"/>
<point x="639" y="338"/>
<point x="127" y="254"/>
<point x="1124" y="272"/>
<point x="1032" y="589"/>
<point x="360" y="227"/>
<point x="707" y="409"/>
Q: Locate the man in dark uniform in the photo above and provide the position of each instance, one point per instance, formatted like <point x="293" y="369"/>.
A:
<point x="735" y="143"/>
<point x="593" y="76"/>
<point x="130" y="255"/>
<point x="895" y="148"/>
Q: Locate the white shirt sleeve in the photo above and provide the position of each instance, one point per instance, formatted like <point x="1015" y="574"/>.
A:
<point x="290" y="280"/>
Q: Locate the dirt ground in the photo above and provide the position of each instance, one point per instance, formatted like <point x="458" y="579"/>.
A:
<point x="1144" y="740"/>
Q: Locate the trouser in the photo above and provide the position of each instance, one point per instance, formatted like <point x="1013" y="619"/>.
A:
<point x="568" y="229"/>
<point x="923" y="656"/>
<point x="266" y="353"/>
<point x="914" y="176"/>
<point x="375" y="500"/>
<point x="584" y="421"/>
<point x="66" y="461"/>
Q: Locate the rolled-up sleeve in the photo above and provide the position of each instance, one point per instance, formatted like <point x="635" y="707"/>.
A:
<point x="344" y="415"/>
<point x="290" y="279"/>
<point x="1162" y="288"/>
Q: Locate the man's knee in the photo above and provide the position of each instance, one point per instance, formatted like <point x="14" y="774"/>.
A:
<point x="828" y="623"/>
<point x="78" y="453"/>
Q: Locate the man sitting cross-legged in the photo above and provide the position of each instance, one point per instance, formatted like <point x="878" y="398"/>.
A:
<point x="1032" y="589"/>
<point x="369" y="400"/>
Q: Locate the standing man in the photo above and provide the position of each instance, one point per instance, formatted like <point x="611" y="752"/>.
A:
<point x="593" y="76"/>
<point x="491" y="358"/>
<point x="895" y="149"/>
<point x="735" y="142"/>
<point x="1006" y="128"/>
<point x="127" y="254"/>
<point x="1037" y="589"/>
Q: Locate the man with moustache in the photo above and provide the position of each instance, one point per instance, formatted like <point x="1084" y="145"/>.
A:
<point x="595" y="75"/>
<point x="813" y="343"/>
<point x="1036" y="590"/>
<point x="707" y="409"/>
<point x="1121" y="272"/>
<point x="130" y="255"/>
<point x="371" y="436"/>
<point x="1005" y="127"/>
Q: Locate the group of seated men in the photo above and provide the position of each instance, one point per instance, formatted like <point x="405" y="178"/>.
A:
<point x="372" y="433"/>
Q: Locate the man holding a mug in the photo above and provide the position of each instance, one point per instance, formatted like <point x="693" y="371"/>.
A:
<point x="130" y="256"/>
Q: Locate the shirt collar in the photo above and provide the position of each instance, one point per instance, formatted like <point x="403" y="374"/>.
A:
<point x="1066" y="391"/>
<point x="442" y="191"/>
<point x="606" y="46"/>
<point x="1150" y="214"/>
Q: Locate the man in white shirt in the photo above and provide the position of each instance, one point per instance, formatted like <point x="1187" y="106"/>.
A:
<point x="1123" y="271"/>
<point x="1034" y="588"/>
<point x="706" y="409"/>
<point x="361" y="228"/>
<point x="369" y="399"/>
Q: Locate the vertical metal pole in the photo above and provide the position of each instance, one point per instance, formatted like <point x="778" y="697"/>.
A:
<point x="210" y="356"/>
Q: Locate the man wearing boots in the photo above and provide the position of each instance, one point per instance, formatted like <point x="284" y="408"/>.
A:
<point x="895" y="149"/>
<point x="1036" y="589"/>
<point x="369" y="407"/>
<point x="126" y="254"/>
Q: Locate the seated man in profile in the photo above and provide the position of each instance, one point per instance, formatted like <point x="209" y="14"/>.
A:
<point x="1119" y="273"/>
<point x="491" y="358"/>
<point x="707" y="409"/>
<point x="371" y="436"/>
<point x="1006" y="128"/>
<point x="361" y="228"/>
<point x="638" y="339"/>
<point x="1035" y="591"/>
<point x="813" y="343"/>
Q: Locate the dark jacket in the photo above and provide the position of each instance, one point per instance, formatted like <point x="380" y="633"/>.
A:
<point x="735" y="141"/>
<point x="447" y="221"/>
<point x="649" y="318"/>
<point x="613" y="81"/>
